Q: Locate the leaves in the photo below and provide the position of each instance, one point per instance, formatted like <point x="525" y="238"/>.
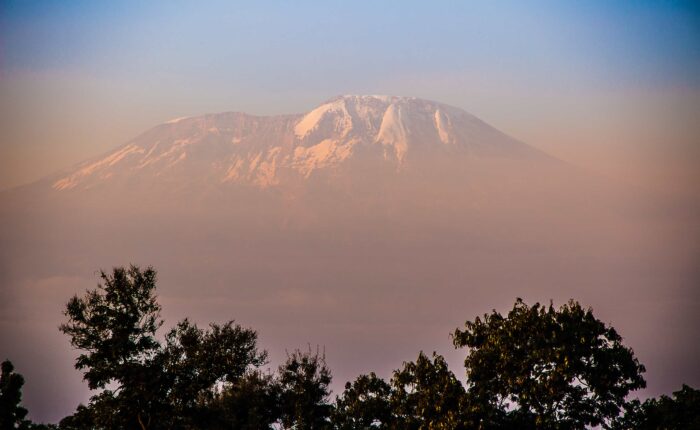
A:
<point x="11" y="413"/>
<point x="427" y="395"/>
<point x="193" y="361"/>
<point x="151" y="385"/>
<point x="681" y="411"/>
<point x="536" y="367"/>
<point x="364" y="404"/>
<point x="304" y="383"/>
<point x="115" y="326"/>
<point x="549" y="367"/>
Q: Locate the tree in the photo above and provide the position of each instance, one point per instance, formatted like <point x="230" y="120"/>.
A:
<point x="540" y="367"/>
<point x="83" y="418"/>
<point x="679" y="412"/>
<point x="145" y="384"/>
<point x="11" y="413"/>
<point x="195" y="362"/>
<point x="304" y="383"/>
<point x="115" y="325"/>
<point x="251" y="403"/>
<point x="365" y="404"/>
<point x="427" y="395"/>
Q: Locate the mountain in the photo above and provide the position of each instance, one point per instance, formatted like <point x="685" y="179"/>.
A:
<point x="392" y="133"/>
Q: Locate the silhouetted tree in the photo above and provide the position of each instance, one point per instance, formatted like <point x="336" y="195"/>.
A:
<point x="365" y="404"/>
<point x="427" y="395"/>
<point x="679" y="412"/>
<point x="195" y="361"/>
<point x="115" y="325"/>
<point x="304" y="383"/>
<point x="250" y="403"/>
<point x="12" y="414"/>
<point x="83" y="418"/>
<point x="145" y="384"/>
<point x="545" y="368"/>
<point x="536" y="368"/>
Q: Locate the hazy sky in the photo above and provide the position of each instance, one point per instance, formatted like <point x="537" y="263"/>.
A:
<point x="609" y="85"/>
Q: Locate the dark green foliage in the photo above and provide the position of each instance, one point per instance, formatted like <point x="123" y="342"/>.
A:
<point x="427" y="395"/>
<point x="365" y="404"/>
<point x="115" y="326"/>
<point x="11" y="413"/>
<point x="679" y="412"/>
<point x="540" y="367"/>
<point x="536" y="368"/>
<point x="250" y="403"/>
<point x="304" y="383"/>
<point x="423" y="394"/>
<point x="194" y="361"/>
<point x="82" y="418"/>
<point x="145" y="384"/>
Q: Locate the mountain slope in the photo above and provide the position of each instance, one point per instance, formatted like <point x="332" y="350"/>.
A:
<point x="392" y="132"/>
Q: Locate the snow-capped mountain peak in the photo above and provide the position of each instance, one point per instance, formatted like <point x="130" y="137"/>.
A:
<point x="267" y="151"/>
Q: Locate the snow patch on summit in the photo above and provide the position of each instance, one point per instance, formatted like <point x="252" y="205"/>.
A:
<point x="175" y="120"/>
<point x="442" y="124"/>
<point x="325" y="153"/>
<point x="393" y="132"/>
<point x="342" y="122"/>
<point x="112" y="159"/>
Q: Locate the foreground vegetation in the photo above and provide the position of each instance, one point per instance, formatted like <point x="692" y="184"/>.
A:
<point x="538" y="367"/>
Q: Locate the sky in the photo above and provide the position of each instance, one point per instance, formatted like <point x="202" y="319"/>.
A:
<point x="611" y="86"/>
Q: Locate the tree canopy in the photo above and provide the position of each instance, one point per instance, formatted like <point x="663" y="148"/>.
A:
<point x="12" y="414"/>
<point x="145" y="383"/>
<point x="115" y="327"/>
<point x="537" y="367"/>
<point x="681" y="411"/>
<point x="304" y="383"/>
<point x="541" y="367"/>
<point x="427" y="395"/>
<point x="365" y="404"/>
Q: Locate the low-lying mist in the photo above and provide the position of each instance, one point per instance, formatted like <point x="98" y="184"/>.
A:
<point x="372" y="264"/>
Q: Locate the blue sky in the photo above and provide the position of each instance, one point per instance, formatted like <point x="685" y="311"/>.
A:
<point x="96" y="73"/>
<point x="360" y="42"/>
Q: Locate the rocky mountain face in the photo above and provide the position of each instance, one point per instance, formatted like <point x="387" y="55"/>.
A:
<point x="390" y="133"/>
